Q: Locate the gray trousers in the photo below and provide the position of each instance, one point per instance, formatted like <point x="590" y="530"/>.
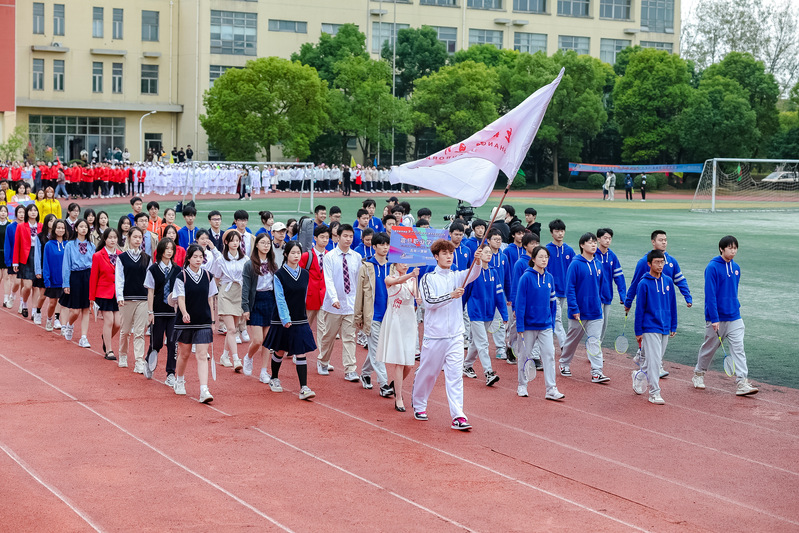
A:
<point x="511" y="336"/>
<point x="466" y="329"/>
<point x="573" y="338"/>
<point x="654" y="345"/>
<point x="371" y="363"/>
<point x="560" y="333"/>
<point x="499" y="336"/>
<point x="479" y="346"/>
<point x="732" y="333"/>
<point x="542" y="341"/>
<point x="605" y="312"/>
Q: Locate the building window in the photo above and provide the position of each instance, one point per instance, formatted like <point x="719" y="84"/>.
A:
<point x="614" y="9"/>
<point x="573" y="8"/>
<point x="485" y="4"/>
<point x="530" y="42"/>
<point x="97" y="76"/>
<point x="608" y="48"/>
<point x="97" y="22"/>
<point x="38" y="74"/>
<point x="438" y="3"/>
<point x="657" y="15"/>
<point x="485" y="37"/>
<point x="116" y="28"/>
<point x="149" y="25"/>
<point x="668" y="47"/>
<point x="58" y="19"/>
<point x="116" y="78"/>
<point x="578" y="44"/>
<point x="149" y="79"/>
<point x="218" y="70"/>
<point x="331" y="29"/>
<point x="38" y="17"/>
<point x="448" y="36"/>
<point x="530" y="6"/>
<point x="383" y="32"/>
<point x="233" y="32"/>
<point x="290" y="26"/>
<point x="58" y="74"/>
<point x="69" y="135"/>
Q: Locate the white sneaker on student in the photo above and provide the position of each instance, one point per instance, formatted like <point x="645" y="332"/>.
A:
<point x="698" y="380"/>
<point x="170" y="381"/>
<point x="180" y="387"/>
<point x="56" y="324"/>
<point x="264" y="377"/>
<point x="306" y="393"/>
<point x="123" y="361"/>
<point x="247" y="365"/>
<point x="205" y="396"/>
<point x="554" y="394"/>
<point x="321" y="368"/>
<point x="238" y="338"/>
<point x="37" y="318"/>
<point x="521" y="391"/>
<point x="84" y="342"/>
<point x="48" y="325"/>
<point x="656" y="399"/>
<point x="67" y="331"/>
<point x="274" y="385"/>
<point x="138" y="367"/>
<point x="745" y="388"/>
<point x="237" y="366"/>
<point x="224" y="360"/>
<point x="245" y="336"/>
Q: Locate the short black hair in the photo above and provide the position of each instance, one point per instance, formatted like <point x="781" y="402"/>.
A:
<point x="456" y="226"/>
<point x="602" y="231"/>
<point x="318" y="208"/>
<point x="510" y="210"/>
<point x="424" y="212"/>
<point x="381" y="238"/>
<point x="389" y="217"/>
<point x="241" y="214"/>
<point x="135" y="199"/>
<point x="492" y="232"/>
<point x="531" y="211"/>
<point x="320" y="229"/>
<point x="189" y="211"/>
<point x="368" y="232"/>
<point x="152" y="204"/>
<point x="557" y="224"/>
<point x="656" y="233"/>
<point x="517" y="228"/>
<point x="406" y="207"/>
<point x="333" y="210"/>
<point x="479" y="222"/>
<point x="586" y="237"/>
<point x="422" y="223"/>
<point x="140" y="215"/>
<point x="214" y="213"/>
<point x="361" y="212"/>
<point x="345" y="227"/>
<point x="726" y="241"/>
<point x="530" y="237"/>
<point x="368" y="202"/>
<point x="398" y="209"/>
<point x="654" y="254"/>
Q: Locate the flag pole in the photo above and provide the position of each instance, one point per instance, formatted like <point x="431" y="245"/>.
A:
<point x="491" y="223"/>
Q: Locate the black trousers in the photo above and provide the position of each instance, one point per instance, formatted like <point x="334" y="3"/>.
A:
<point x="164" y="325"/>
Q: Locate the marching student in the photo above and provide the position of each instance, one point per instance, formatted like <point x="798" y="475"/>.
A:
<point x="560" y="257"/>
<point x="529" y="242"/>
<point x="131" y="295"/>
<point x="101" y="224"/>
<point x="289" y="333"/>
<point x="340" y="267"/>
<point x="655" y="320"/>
<point x="246" y="238"/>
<point x="51" y="272"/>
<point x="442" y="347"/>
<point x="8" y="253"/>
<point x="136" y="204"/>
<point x="258" y="301"/>
<point x="169" y="220"/>
<point x="49" y="204"/>
<point x="228" y="274"/>
<point x="478" y="230"/>
<point x="91" y="218"/>
<point x="159" y="282"/>
<point x="154" y="222"/>
<point x="76" y="277"/>
<point x="38" y="262"/>
<point x="486" y="298"/>
<point x="365" y="248"/>
<point x="499" y="262"/>
<point x="362" y="224"/>
<point x="612" y="273"/>
<point x="529" y="216"/>
<point x="73" y="214"/>
<point x="123" y="227"/>
<point x="192" y="299"/>
<point x="536" y="312"/>
<point x="23" y="258"/>
<point x="187" y="234"/>
<point x="723" y="317"/>
<point x="215" y="229"/>
<point x="5" y="281"/>
<point x="461" y="261"/>
<point x="102" y="291"/>
<point x="514" y="251"/>
<point x="371" y="299"/>
<point x="171" y="232"/>
<point x="149" y="240"/>
<point x="584" y="307"/>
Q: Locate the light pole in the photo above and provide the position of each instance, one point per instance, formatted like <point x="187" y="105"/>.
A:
<point x="141" y="135"/>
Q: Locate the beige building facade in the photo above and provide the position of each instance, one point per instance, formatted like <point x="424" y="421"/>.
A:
<point x="88" y="73"/>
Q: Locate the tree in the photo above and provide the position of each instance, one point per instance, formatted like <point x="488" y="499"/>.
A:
<point x="349" y="41"/>
<point x="648" y="99"/>
<point x="718" y="121"/>
<point x="11" y="150"/>
<point x="785" y="143"/>
<point x="270" y="101"/>
<point x="488" y="54"/>
<point x="419" y="53"/>
<point x="457" y="100"/>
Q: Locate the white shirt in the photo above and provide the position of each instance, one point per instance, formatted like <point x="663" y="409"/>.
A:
<point x="334" y="280"/>
<point x="443" y="315"/>
<point x="229" y="272"/>
<point x="149" y="280"/>
<point x="180" y="288"/>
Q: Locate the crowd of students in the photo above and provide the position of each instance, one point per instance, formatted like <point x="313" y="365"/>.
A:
<point x="288" y="289"/>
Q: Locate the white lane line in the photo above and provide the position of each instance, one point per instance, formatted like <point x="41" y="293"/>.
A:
<point x="356" y="476"/>
<point x="57" y="493"/>
<point x="153" y="448"/>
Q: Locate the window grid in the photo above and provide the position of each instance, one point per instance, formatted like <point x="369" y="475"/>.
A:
<point x="438" y="2"/>
<point x="58" y="131"/>
<point x="383" y="32"/>
<point x="149" y="25"/>
<point x="657" y="15"/>
<point x="448" y="36"/>
<point x="58" y="19"/>
<point x="38" y="74"/>
<point x="580" y="45"/>
<point x="485" y="4"/>
<point x="573" y="8"/>
<point x="233" y="32"/>
<point x="331" y="29"/>
<point x="530" y="6"/>
<point x="668" y="47"/>
<point x="118" y="18"/>
<point x="38" y="17"/>
<point x="485" y="37"/>
<point x="58" y="74"/>
<point x="290" y="26"/>
<point x="218" y="70"/>
<point x="614" y="9"/>
<point x="97" y="22"/>
<point x="116" y="78"/>
<point x="530" y="42"/>
<point x="97" y="76"/>
<point x="149" y="79"/>
<point x="609" y="48"/>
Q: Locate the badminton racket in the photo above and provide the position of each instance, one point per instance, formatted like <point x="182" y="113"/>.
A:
<point x="528" y="370"/>
<point x="640" y="377"/>
<point x="729" y="363"/>
<point x="622" y="344"/>
<point x="213" y="363"/>
<point x="592" y="344"/>
<point x="495" y="325"/>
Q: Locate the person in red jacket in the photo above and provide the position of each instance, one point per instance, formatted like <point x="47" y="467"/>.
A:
<point x="102" y="290"/>
<point x="316" y="281"/>
<point x="25" y="241"/>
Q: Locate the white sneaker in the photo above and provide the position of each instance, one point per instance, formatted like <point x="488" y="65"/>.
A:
<point x="351" y="376"/>
<point x="205" y="396"/>
<point x="274" y="385"/>
<point x="264" y="377"/>
<point x="745" y="388"/>
<point x="48" y="325"/>
<point x="247" y="365"/>
<point x="37" y="318"/>
<point x="321" y="369"/>
<point x="193" y="348"/>
<point x="656" y="399"/>
<point x="67" y="332"/>
<point x="170" y="381"/>
<point x="84" y="342"/>
<point x="224" y="360"/>
<point x="138" y="367"/>
<point x="521" y="391"/>
<point x="245" y="336"/>
<point x="238" y="338"/>
<point x="554" y="394"/>
<point x="237" y="364"/>
<point x="306" y="393"/>
<point x="698" y="380"/>
<point x="663" y="372"/>
<point x="180" y="387"/>
<point x="123" y="361"/>
<point x="56" y="324"/>
<point x="222" y="329"/>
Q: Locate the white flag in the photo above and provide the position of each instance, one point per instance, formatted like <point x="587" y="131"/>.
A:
<point x="469" y="169"/>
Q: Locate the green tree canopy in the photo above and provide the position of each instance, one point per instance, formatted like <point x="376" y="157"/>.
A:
<point x="487" y="54"/>
<point x="349" y="41"/>
<point x="270" y="101"/>
<point x="419" y="53"/>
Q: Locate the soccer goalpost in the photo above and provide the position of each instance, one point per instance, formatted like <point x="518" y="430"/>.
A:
<point x="728" y="184"/>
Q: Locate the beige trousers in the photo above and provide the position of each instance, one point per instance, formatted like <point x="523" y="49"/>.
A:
<point x="333" y="325"/>
<point x="134" y="322"/>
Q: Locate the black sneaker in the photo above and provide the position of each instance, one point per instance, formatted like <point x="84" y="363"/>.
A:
<point x="538" y="364"/>
<point x="491" y="378"/>
<point x="25" y="312"/>
<point x="386" y="390"/>
<point x="511" y="356"/>
<point x="366" y="381"/>
<point x="469" y="372"/>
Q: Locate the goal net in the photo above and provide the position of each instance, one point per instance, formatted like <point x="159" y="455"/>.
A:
<point x="748" y="184"/>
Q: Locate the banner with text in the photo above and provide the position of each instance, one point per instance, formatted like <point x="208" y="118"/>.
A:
<point x="412" y="245"/>
<point x="635" y="169"/>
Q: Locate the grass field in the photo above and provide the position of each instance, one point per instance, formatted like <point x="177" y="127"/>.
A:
<point x="767" y="257"/>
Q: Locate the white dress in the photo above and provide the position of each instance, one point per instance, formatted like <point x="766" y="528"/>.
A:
<point x="398" y="333"/>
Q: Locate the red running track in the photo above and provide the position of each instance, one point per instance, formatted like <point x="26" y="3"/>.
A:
<point x="86" y="445"/>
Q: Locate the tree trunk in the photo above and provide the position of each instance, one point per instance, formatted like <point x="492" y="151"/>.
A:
<point x="555" y="181"/>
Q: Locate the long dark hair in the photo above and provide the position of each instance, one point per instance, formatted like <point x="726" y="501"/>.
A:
<point x="104" y="236"/>
<point x="86" y="213"/>
<point x="164" y="230"/>
<point x="52" y="235"/>
<point x="122" y="235"/>
<point x="255" y="257"/>
<point x="161" y="249"/>
<point x="193" y="249"/>
<point x="96" y="228"/>
<point x="44" y="235"/>
<point x="73" y="235"/>
<point x="226" y="240"/>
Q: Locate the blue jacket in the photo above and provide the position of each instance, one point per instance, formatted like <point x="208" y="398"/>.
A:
<point x="74" y="260"/>
<point x="374" y="223"/>
<point x="721" y="290"/>
<point x="560" y="257"/>
<point x="8" y="245"/>
<point x="582" y="289"/>
<point x="611" y="270"/>
<point x="513" y="253"/>
<point x="463" y="258"/>
<point x="472" y="243"/>
<point x="367" y="252"/>
<point x="671" y="269"/>
<point x="52" y="273"/>
<point x="187" y="236"/>
<point x="535" y="304"/>
<point x="516" y="272"/>
<point x="656" y="311"/>
<point x="500" y="263"/>
<point x="485" y="296"/>
<point x="628" y="182"/>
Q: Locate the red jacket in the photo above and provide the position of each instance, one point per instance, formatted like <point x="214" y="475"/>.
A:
<point x="102" y="281"/>
<point x="316" y="281"/>
<point x="23" y="243"/>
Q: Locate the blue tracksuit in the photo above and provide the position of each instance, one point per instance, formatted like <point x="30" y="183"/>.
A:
<point x="367" y="252"/>
<point x="485" y="296"/>
<point x="472" y="243"/>
<point x="516" y="272"/>
<point x="500" y="263"/>
<point x="52" y="273"/>
<point x="582" y="289"/>
<point x="8" y="245"/>
<point x="559" y="259"/>
<point x="672" y="270"/>
<point x="611" y="270"/>
<point x="187" y="236"/>
<point x="462" y="258"/>
<point x="513" y="253"/>
<point x="656" y="311"/>
<point x="721" y="290"/>
<point x="535" y="304"/>
<point x="374" y="223"/>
